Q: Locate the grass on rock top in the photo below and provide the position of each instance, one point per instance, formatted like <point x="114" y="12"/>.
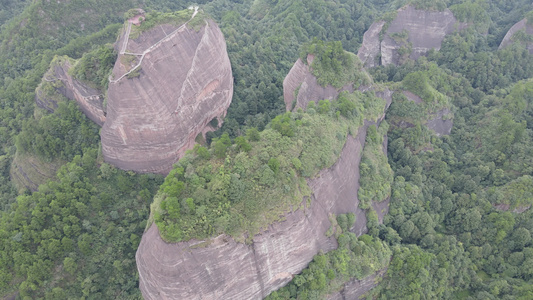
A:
<point x="241" y="188"/>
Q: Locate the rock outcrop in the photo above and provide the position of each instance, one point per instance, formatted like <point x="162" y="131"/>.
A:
<point x="440" y="121"/>
<point x="221" y="268"/>
<point x="166" y="86"/>
<point x="517" y="210"/>
<point x="28" y="171"/>
<point x="355" y="289"/>
<point x="522" y="25"/>
<point x="301" y="85"/>
<point x="410" y="35"/>
<point x="90" y="100"/>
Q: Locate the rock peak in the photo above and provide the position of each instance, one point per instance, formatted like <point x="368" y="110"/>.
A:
<point x="411" y="34"/>
<point x="167" y="85"/>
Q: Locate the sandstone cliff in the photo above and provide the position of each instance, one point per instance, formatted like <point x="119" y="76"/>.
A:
<point x="301" y="85"/>
<point x="90" y="100"/>
<point x="29" y="171"/>
<point x="522" y="25"/>
<point x="411" y="34"/>
<point x="166" y="86"/>
<point x="505" y="207"/>
<point x="221" y="268"/>
<point x="225" y="269"/>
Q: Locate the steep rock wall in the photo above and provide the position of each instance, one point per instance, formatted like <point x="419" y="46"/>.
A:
<point x="221" y="268"/>
<point x="371" y="47"/>
<point x="28" y="171"/>
<point x="522" y="25"/>
<point x="226" y="269"/>
<point x="184" y="81"/>
<point x="425" y="30"/>
<point x="301" y="85"/>
<point x="90" y="100"/>
<point x="506" y="207"/>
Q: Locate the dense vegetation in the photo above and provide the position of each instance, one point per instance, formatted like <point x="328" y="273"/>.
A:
<point x="376" y="174"/>
<point x="77" y="236"/>
<point x="243" y="187"/>
<point x="332" y="65"/>
<point x="95" y="66"/>
<point x="453" y="229"/>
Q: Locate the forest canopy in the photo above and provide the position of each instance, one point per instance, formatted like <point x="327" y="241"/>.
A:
<point x="459" y="224"/>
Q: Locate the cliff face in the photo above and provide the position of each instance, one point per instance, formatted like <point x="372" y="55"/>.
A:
<point x="221" y="268"/>
<point x="522" y="25"/>
<point x="411" y="34"/>
<point x="301" y="85"/>
<point x="167" y="85"/>
<point x="505" y="207"/>
<point x="90" y="100"/>
<point x="226" y="269"/>
<point x="28" y="171"/>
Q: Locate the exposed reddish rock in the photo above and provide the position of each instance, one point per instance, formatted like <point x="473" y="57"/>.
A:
<point x="425" y="30"/>
<point x="221" y="268"/>
<point x="89" y="99"/>
<point x="522" y="25"/>
<point x="302" y="85"/>
<point x="184" y="81"/>
<point x="225" y="269"/>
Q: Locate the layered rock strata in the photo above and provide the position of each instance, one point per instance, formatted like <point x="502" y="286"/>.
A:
<point x="166" y="86"/>
<point x="410" y="35"/>
<point x="90" y="100"/>
<point x="522" y="25"/>
<point x="225" y="269"/>
<point x="300" y="86"/>
<point x="221" y="268"/>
